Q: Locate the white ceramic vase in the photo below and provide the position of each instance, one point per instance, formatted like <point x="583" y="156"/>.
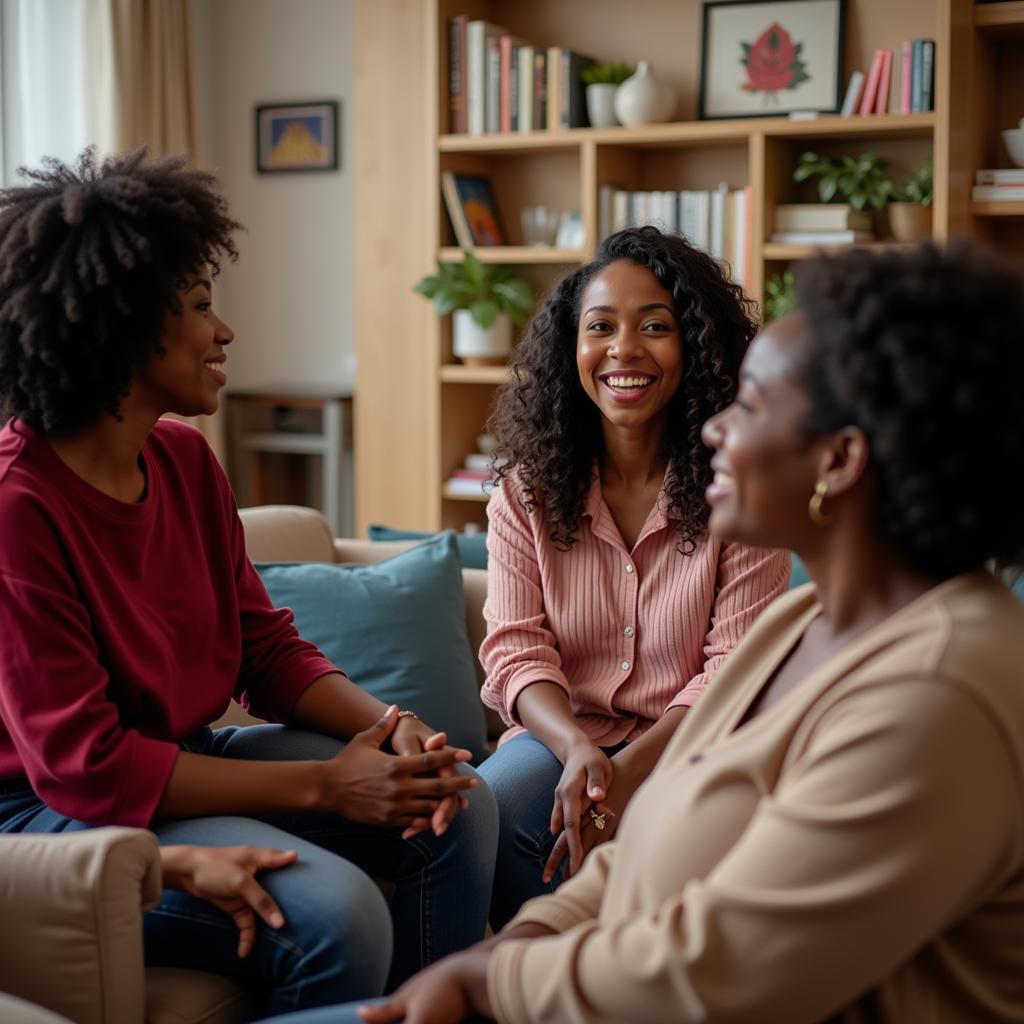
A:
<point x="481" y="346"/>
<point x="601" y="105"/>
<point x="644" y="99"/>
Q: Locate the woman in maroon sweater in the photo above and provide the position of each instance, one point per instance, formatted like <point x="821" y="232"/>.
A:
<point x="130" y="616"/>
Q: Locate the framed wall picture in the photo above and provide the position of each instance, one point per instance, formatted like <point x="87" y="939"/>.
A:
<point x="472" y="210"/>
<point x="764" y="57"/>
<point x="297" y="137"/>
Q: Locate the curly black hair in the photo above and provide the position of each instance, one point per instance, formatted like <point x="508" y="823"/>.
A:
<point x="91" y="257"/>
<point x="924" y="351"/>
<point x="549" y="431"/>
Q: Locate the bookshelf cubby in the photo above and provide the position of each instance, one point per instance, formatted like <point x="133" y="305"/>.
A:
<point x="419" y="411"/>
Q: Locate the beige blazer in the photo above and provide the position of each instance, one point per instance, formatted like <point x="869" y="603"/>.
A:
<point x="854" y="853"/>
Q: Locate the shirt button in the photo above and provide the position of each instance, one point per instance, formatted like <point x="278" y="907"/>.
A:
<point x="628" y="631"/>
<point x="624" y="666"/>
<point x="629" y="568"/>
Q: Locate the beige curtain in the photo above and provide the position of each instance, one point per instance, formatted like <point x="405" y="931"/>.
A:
<point x="143" y="90"/>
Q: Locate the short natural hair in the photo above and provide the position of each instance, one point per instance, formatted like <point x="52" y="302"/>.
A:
<point x="549" y="431"/>
<point x="924" y="351"/>
<point x="91" y="257"/>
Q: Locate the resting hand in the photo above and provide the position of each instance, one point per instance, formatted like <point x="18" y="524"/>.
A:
<point x="445" y="993"/>
<point x="586" y="777"/>
<point x="226" y="877"/>
<point x="364" y="783"/>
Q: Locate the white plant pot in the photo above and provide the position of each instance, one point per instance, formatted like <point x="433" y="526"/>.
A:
<point x="601" y="105"/>
<point x="644" y="99"/>
<point x="481" y="346"/>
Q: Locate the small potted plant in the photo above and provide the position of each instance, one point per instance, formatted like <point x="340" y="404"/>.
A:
<point x="601" y="81"/>
<point x="861" y="181"/>
<point x="910" y="212"/>
<point x="779" y="296"/>
<point x="485" y="301"/>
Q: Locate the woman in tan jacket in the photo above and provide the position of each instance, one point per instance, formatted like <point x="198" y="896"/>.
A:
<point x="836" y="832"/>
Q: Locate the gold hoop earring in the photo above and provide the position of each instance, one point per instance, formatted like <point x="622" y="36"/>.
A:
<point x="814" y="505"/>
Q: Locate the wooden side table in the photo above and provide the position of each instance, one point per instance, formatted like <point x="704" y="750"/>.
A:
<point x="299" y="421"/>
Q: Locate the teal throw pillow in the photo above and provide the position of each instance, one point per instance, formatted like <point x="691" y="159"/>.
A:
<point x="798" y="575"/>
<point x="397" y="628"/>
<point x="472" y="546"/>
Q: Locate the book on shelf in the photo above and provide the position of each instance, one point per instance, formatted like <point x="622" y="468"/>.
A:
<point x="554" y="91"/>
<point x="469" y="200"/>
<point x="821" y="237"/>
<point x="997" y="193"/>
<point x="1000" y="176"/>
<point x="492" y="103"/>
<point x="821" y="217"/>
<point x="540" y="89"/>
<point x="457" y="73"/>
<point x="867" y="102"/>
<point x="853" y="94"/>
<point x="479" y="475"/>
<point x="525" y="118"/>
<point x="928" y="75"/>
<point x="884" y="82"/>
<point x="906" y="74"/>
<point x="458" y="485"/>
<point x="508" y="100"/>
<point x="477" y="461"/>
<point x="572" y="90"/>
<point x="479" y="33"/>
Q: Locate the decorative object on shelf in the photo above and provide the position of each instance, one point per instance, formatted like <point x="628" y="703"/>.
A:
<point x="601" y="81"/>
<point x="485" y="301"/>
<point x="910" y="211"/>
<point x="1013" y="139"/>
<point x="297" y="137"/>
<point x="571" y="234"/>
<point x="472" y="210"/>
<point x="779" y="296"/>
<point x="863" y="182"/>
<point x="539" y="224"/>
<point x="998" y="185"/>
<point x="771" y="57"/>
<point x="644" y="98"/>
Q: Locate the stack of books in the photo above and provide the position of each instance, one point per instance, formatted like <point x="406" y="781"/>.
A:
<point x="475" y="478"/>
<point x="898" y="82"/>
<point x="999" y="185"/>
<point x="719" y="221"/>
<point x="821" y="224"/>
<point x="498" y="82"/>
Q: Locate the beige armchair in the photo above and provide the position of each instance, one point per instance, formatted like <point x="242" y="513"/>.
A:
<point x="72" y="904"/>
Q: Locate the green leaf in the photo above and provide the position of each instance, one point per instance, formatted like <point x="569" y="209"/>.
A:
<point x="447" y="301"/>
<point x="517" y="291"/>
<point x="827" y="189"/>
<point x="428" y="286"/>
<point x="474" y="270"/>
<point x="484" y="312"/>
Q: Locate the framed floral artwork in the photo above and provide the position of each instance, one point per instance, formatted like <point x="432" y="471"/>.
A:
<point x="771" y="57"/>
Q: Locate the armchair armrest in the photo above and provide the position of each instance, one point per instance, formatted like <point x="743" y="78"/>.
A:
<point x="73" y="906"/>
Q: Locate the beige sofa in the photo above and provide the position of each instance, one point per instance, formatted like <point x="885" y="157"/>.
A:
<point x="72" y="904"/>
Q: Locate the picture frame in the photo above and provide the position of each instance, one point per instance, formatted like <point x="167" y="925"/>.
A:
<point x="476" y="220"/>
<point x="764" y="58"/>
<point x="297" y="136"/>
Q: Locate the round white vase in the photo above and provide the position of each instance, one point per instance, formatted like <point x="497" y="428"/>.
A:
<point x="481" y="346"/>
<point x="644" y="99"/>
<point x="601" y="105"/>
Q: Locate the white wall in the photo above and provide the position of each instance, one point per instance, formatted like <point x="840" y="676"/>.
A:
<point x="290" y="296"/>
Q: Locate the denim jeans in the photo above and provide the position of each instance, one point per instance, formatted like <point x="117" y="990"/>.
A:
<point x="341" y="1015"/>
<point x="341" y="941"/>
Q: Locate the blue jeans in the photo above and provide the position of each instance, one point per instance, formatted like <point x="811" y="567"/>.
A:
<point x="336" y="945"/>
<point x="340" y="1015"/>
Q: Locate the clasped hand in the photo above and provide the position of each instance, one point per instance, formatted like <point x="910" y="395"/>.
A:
<point x="417" y="786"/>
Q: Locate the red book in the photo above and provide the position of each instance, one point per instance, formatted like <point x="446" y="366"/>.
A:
<point x="457" y="63"/>
<point x="906" y="74"/>
<point x="867" y="103"/>
<point x="882" y="102"/>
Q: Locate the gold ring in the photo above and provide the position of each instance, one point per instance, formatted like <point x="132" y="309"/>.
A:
<point x="597" y="819"/>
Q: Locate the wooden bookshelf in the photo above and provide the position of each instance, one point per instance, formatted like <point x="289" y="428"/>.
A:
<point x="1003" y="208"/>
<point x="1000" y="20"/>
<point x="418" y="412"/>
<point x="449" y="495"/>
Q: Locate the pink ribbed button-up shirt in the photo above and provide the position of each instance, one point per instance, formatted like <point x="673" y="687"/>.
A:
<point x="626" y="634"/>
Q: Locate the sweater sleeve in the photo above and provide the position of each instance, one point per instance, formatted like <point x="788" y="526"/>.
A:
<point x="873" y="843"/>
<point x="519" y="648"/>
<point x="55" y="705"/>
<point x="277" y="664"/>
<point x="748" y="580"/>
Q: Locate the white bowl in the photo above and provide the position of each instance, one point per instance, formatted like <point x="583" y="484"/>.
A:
<point x="1014" y="141"/>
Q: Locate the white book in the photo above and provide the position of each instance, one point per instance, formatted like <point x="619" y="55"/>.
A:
<point x="688" y="215"/>
<point x="1002" y="176"/>
<point x="620" y="210"/>
<point x="642" y="214"/>
<point x="997" y="193"/>
<point x="716" y="239"/>
<point x="605" y="202"/>
<point x="821" y="237"/>
<point x="492" y="116"/>
<point x="703" y="238"/>
<point x="477" y="34"/>
<point x="525" y="89"/>
<point x="852" y="97"/>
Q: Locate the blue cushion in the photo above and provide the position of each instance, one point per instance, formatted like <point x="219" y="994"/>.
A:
<point x="398" y="628"/>
<point x="472" y="546"/>
<point x="798" y="574"/>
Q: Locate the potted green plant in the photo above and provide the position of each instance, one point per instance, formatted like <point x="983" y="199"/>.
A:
<point x="910" y="212"/>
<point x="861" y="181"/>
<point x="601" y="81"/>
<point x="485" y="301"/>
<point x="779" y="296"/>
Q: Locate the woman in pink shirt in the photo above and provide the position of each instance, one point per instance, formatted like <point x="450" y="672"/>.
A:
<point x="609" y="605"/>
